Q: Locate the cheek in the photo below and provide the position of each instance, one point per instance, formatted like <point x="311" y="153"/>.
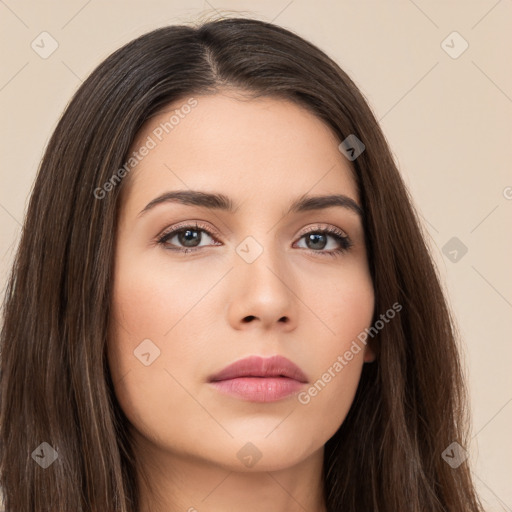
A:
<point x="342" y="302"/>
<point x="153" y="301"/>
<point x="346" y="307"/>
<point x="146" y="365"/>
<point x="156" y="337"/>
<point x="325" y="403"/>
<point x="136" y="325"/>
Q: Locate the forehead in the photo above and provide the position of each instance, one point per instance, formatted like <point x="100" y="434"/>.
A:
<point x="267" y="149"/>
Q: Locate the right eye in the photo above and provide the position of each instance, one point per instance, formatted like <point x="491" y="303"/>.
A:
<point x="187" y="235"/>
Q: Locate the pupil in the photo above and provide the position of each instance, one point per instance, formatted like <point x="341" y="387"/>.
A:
<point x="185" y="238"/>
<point x="315" y="239"/>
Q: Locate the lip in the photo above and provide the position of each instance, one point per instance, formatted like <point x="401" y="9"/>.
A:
<point x="259" y="379"/>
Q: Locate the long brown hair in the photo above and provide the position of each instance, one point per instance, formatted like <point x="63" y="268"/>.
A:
<point x="55" y="385"/>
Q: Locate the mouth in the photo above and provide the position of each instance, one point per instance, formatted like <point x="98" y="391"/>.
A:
<point x="259" y="379"/>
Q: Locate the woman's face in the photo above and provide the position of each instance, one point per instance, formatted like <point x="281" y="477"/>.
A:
<point x="260" y="279"/>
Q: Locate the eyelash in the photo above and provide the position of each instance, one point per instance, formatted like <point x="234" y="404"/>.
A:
<point x="343" y="240"/>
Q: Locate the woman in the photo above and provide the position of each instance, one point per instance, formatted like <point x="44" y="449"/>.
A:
<point x="301" y="358"/>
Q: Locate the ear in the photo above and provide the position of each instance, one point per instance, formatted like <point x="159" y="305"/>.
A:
<point x="369" y="354"/>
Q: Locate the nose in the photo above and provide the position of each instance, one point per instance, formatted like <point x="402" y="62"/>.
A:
<point x="262" y="294"/>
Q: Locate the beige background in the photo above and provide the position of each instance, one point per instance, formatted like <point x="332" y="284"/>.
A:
<point x="448" y="121"/>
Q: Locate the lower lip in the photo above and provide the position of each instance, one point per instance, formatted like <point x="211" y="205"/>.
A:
<point x="259" y="389"/>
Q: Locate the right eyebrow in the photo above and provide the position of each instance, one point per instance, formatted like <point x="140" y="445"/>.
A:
<point x="194" y="198"/>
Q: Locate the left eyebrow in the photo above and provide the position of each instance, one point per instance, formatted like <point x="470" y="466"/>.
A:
<point x="306" y="203"/>
<point x="222" y="202"/>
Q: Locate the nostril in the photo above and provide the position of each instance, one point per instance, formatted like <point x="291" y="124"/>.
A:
<point x="249" y="318"/>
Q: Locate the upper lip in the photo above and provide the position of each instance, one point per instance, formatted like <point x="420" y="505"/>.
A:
<point x="255" y="366"/>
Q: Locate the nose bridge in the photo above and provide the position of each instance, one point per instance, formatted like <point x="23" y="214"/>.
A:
<point x="260" y="257"/>
<point x="263" y="284"/>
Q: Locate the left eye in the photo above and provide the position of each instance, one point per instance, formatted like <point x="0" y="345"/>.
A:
<point x="319" y="240"/>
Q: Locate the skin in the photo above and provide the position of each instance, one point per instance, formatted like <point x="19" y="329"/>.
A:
<point x="263" y="154"/>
